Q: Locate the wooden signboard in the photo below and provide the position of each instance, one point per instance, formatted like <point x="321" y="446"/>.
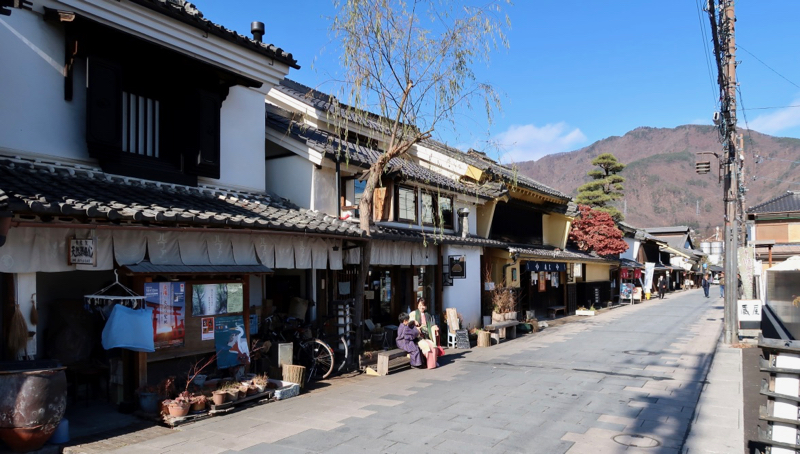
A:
<point x="462" y="339"/>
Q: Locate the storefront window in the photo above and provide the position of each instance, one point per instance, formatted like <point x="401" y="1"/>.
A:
<point x="428" y="209"/>
<point x="407" y="205"/>
<point x="424" y="285"/>
<point x="445" y="207"/>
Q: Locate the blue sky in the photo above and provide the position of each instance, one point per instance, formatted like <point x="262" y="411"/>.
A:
<point x="580" y="71"/>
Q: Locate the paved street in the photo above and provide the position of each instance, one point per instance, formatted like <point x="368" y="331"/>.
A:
<point x="629" y="376"/>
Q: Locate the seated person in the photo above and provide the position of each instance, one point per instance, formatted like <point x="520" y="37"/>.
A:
<point x="429" y="332"/>
<point x="407" y="334"/>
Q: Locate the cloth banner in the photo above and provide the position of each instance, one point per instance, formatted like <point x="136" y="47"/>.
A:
<point x="193" y="248"/>
<point x="649" y="268"/>
<point x="220" y="251"/>
<point x="284" y="252"/>
<point x="130" y="246"/>
<point x="302" y="253"/>
<point x="334" y="257"/>
<point x="353" y="256"/>
<point x="265" y="249"/>
<point x="244" y="252"/>
<point x="163" y="249"/>
<point x="319" y="253"/>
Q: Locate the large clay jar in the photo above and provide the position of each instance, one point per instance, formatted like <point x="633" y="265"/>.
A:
<point x="33" y="398"/>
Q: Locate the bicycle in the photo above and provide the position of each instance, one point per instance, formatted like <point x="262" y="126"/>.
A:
<point x="310" y="351"/>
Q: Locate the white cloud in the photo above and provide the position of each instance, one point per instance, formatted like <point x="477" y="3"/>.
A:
<point x="530" y="142"/>
<point x="777" y="121"/>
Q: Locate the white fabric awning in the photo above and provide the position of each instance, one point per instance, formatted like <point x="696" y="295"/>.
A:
<point x="30" y="250"/>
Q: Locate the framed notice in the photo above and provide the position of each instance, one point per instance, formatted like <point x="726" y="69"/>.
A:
<point x="216" y="299"/>
<point x="230" y="342"/>
<point x="82" y="251"/>
<point x="458" y="266"/>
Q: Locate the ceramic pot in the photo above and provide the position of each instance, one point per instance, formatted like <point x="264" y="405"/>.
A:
<point x="148" y="402"/>
<point x="219" y="397"/>
<point x="233" y="395"/>
<point x="33" y="398"/>
<point x="260" y="388"/>
<point x="199" y="406"/>
<point x="242" y="392"/>
<point x="178" y="409"/>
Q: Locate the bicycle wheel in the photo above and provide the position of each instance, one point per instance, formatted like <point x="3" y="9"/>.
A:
<point x="317" y="356"/>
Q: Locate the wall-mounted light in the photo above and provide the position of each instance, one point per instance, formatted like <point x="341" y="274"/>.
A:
<point x="5" y="225"/>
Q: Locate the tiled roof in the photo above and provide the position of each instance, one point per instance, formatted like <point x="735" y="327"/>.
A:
<point x="54" y="189"/>
<point x="628" y="263"/>
<point x="552" y="253"/>
<point x="323" y="102"/>
<point x="187" y="13"/>
<point x="677" y="229"/>
<point x="363" y="157"/>
<point x="484" y="163"/>
<point x="785" y="203"/>
<point x="382" y="232"/>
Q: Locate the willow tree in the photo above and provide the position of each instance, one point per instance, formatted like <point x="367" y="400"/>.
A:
<point x="605" y="187"/>
<point x="407" y="68"/>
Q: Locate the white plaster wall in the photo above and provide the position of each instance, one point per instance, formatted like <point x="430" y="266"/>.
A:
<point x="34" y="117"/>
<point x="465" y="294"/>
<point x="632" y="251"/>
<point x="291" y="178"/>
<point x="324" y="195"/>
<point x="242" y="140"/>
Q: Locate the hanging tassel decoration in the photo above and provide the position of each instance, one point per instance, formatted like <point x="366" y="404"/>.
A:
<point x="17" y="333"/>
<point x="34" y="312"/>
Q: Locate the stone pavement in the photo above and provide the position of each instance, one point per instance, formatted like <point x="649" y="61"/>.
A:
<point x="631" y="380"/>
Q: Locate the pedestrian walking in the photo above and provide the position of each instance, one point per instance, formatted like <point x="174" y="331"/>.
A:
<point x="722" y="285"/>
<point x="706" y="284"/>
<point x="662" y="287"/>
<point x="739" y="285"/>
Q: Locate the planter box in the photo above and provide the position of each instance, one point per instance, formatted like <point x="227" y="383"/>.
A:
<point x="584" y="312"/>
<point x="285" y="389"/>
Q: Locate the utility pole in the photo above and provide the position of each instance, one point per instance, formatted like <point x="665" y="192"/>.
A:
<point x="725" y="53"/>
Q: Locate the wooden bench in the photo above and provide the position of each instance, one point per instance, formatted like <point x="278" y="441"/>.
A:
<point x="504" y="330"/>
<point x="554" y="310"/>
<point x="392" y="361"/>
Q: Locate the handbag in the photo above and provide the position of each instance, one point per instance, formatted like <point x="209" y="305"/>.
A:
<point x="439" y="351"/>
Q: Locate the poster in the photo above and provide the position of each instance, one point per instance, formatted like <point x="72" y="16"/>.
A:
<point x="542" y="282"/>
<point x="625" y="291"/>
<point x="230" y="342"/>
<point x="207" y="328"/>
<point x="215" y="299"/>
<point x="168" y="301"/>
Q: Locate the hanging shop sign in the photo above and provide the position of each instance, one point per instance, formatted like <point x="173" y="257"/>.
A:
<point x="230" y="342"/>
<point x="749" y="310"/>
<point x="168" y="301"/>
<point x="637" y="273"/>
<point x="625" y="273"/>
<point x="546" y="266"/>
<point x="82" y="251"/>
<point x="542" y="281"/>
<point x="215" y="299"/>
<point x="458" y="266"/>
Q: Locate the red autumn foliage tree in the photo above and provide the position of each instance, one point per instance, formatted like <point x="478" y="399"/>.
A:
<point x="595" y="231"/>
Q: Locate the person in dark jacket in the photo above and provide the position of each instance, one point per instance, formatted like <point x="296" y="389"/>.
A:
<point x="662" y="287"/>
<point x="706" y="284"/>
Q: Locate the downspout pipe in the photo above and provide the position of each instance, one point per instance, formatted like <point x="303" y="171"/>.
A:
<point x="338" y="189"/>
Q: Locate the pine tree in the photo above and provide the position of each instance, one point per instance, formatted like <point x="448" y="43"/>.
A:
<point x="605" y="187"/>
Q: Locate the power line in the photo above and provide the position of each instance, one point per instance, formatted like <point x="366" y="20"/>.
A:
<point x="707" y="52"/>
<point x="773" y="179"/>
<point x="768" y="66"/>
<point x="770" y="107"/>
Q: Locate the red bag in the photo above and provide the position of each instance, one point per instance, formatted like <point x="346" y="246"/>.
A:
<point x="439" y="352"/>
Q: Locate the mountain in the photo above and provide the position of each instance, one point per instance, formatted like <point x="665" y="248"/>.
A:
<point x="661" y="186"/>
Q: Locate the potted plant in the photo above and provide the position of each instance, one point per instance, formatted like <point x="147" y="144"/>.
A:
<point x="148" y="398"/>
<point x="179" y="406"/>
<point x="219" y="396"/>
<point x="583" y="311"/>
<point x="198" y="403"/>
<point x="503" y="301"/>
<point x="260" y="382"/>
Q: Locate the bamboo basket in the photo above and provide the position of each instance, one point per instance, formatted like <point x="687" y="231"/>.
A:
<point x="294" y="374"/>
